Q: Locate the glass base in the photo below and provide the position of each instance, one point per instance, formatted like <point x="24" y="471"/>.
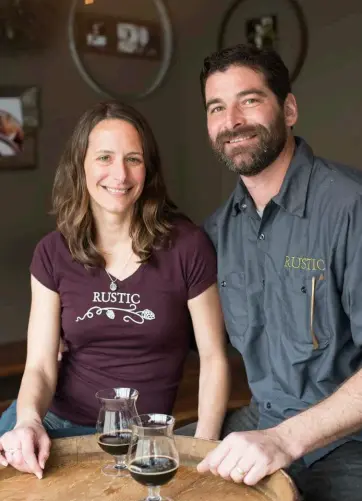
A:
<point x="111" y="470"/>
<point x="159" y="498"/>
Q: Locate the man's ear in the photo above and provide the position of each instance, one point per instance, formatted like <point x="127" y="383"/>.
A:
<point x="290" y="110"/>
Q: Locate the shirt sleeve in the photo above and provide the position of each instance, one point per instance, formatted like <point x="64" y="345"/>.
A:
<point x="42" y="265"/>
<point x="199" y="263"/>
<point x="352" y="283"/>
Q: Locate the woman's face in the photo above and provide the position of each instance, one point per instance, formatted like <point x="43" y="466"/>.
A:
<point x="114" y="167"/>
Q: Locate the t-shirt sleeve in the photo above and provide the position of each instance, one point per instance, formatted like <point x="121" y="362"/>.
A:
<point x="210" y="228"/>
<point x="199" y="263"/>
<point x="42" y="264"/>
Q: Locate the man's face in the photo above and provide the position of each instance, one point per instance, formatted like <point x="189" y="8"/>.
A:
<point x="246" y="124"/>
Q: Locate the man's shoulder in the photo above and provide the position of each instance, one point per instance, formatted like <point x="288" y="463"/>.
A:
<point x="341" y="183"/>
<point x="220" y="216"/>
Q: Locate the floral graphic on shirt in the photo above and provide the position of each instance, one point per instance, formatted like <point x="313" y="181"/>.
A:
<point x="137" y="317"/>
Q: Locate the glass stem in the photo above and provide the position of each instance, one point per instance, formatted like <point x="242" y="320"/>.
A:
<point x="120" y="462"/>
<point x="154" y="494"/>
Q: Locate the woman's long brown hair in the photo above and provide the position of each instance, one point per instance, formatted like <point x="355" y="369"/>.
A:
<point x="153" y="213"/>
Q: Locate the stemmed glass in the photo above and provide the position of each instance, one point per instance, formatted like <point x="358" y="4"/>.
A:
<point x="118" y="411"/>
<point x="153" y="459"/>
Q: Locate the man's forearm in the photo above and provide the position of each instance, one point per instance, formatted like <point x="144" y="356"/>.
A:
<point x="333" y="418"/>
<point x="214" y="391"/>
<point x="35" y="395"/>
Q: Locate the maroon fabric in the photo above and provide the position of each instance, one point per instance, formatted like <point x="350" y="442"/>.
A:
<point x="135" y="337"/>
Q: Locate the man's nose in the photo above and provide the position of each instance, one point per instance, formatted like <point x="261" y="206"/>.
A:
<point x="234" y="118"/>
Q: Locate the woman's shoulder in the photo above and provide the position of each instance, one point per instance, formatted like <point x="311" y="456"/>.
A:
<point x="188" y="235"/>
<point x="52" y="243"/>
<point x="184" y="227"/>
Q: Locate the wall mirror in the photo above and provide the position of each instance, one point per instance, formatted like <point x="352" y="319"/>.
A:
<point x="122" y="48"/>
<point x="279" y="24"/>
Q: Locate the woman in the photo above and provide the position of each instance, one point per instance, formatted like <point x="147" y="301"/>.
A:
<point x="122" y="283"/>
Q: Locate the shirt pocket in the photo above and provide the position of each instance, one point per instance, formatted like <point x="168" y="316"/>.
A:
<point x="304" y="310"/>
<point x="234" y="303"/>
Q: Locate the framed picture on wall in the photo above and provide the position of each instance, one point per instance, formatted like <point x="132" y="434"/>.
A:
<point x="19" y="123"/>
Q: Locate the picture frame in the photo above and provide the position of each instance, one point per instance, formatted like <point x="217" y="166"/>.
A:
<point x="19" y="125"/>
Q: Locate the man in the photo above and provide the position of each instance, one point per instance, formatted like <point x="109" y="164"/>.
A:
<point x="289" y="245"/>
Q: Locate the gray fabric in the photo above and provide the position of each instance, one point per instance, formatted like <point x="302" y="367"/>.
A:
<point x="243" y="419"/>
<point x="335" y="477"/>
<point x="307" y="248"/>
<point x="188" y="430"/>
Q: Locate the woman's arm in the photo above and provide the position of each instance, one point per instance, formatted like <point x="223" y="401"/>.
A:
<point x="214" y="385"/>
<point x="38" y="383"/>
<point x="41" y="369"/>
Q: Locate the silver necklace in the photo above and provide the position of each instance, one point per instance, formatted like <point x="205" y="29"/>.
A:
<point x="113" y="285"/>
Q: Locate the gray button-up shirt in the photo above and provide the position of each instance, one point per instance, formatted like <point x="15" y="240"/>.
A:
<point x="291" y="285"/>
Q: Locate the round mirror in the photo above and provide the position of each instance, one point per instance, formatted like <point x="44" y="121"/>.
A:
<point x="121" y="48"/>
<point x="279" y="24"/>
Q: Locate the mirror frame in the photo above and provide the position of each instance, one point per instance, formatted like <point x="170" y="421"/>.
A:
<point x="303" y="27"/>
<point x="165" y="64"/>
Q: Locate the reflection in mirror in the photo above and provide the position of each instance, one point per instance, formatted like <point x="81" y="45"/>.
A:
<point x="277" y="24"/>
<point x="121" y="48"/>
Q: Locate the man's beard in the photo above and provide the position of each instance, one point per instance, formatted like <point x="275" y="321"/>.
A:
<point x="256" y="157"/>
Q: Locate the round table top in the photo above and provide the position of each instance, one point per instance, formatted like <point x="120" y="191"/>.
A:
<point x="73" y="473"/>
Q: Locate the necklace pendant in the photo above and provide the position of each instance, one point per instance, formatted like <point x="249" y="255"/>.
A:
<point x="113" y="286"/>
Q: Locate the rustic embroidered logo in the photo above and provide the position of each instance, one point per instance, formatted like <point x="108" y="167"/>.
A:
<point x="304" y="263"/>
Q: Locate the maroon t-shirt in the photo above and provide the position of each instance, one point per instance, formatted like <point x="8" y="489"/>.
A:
<point x="137" y="336"/>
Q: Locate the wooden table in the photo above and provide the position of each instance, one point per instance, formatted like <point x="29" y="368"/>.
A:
<point x="73" y="474"/>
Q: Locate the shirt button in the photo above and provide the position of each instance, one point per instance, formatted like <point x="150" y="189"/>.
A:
<point x="268" y="405"/>
<point x="261" y="236"/>
<point x="223" y="283"/>
<point x="263" y="283"/>
<point x="303" y="289"/>
<point x="244" y="206"/>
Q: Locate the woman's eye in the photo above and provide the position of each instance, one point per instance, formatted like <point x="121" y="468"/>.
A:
<point x="134" y="160"/>
<point x="104" y="158"/>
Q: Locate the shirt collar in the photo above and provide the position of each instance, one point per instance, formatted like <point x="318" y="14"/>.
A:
<point x="293" y="192"/>
<point x="292" y="196"/>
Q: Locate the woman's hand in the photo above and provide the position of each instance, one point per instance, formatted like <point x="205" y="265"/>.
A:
<point x="26" y="448"/>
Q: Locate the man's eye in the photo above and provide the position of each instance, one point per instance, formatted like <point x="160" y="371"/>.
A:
<point x="251" y="100"/>
<point x="216" y="109"/>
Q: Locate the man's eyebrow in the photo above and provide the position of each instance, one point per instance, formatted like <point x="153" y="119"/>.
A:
<point x="246" y="92"/>
<point x="209" y="103"/>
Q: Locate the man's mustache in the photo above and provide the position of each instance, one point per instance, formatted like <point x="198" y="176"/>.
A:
<point x="229" y="135"/>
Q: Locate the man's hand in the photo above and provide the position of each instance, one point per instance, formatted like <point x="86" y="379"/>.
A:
<point x="26" y="448"/>
<point x="248" y="456"/>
